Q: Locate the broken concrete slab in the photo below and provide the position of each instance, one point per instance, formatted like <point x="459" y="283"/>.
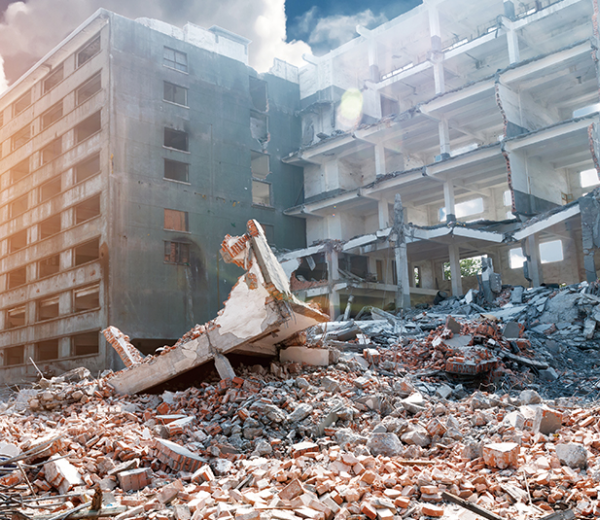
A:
<point x="306" y="355"/>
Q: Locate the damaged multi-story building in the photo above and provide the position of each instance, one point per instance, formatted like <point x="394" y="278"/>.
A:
<point x="456" y="135"/>
<point x="127" y="154"/>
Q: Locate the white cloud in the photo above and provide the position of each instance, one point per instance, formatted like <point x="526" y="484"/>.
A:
<point x="3" y="80"/>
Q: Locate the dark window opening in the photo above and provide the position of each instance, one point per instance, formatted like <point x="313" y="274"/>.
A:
<point x="259" y="163"/>
<point x="50" y="189"/>
<point x="259" y="127"/>
<point x="88" y="127"/>
<point x="175" y="59"/>
<point x="17" y="241"/>
<point x="89" y="88"/>
<point x="177" y="253"/>
<point x="87" y="168"/>
<point x="87" y="209"/>
<point x="85" y="344"/>
<point x="19" y="206"/>
<point x="261" y="193"/>
<point x="379" y="267"/>
<point x="177" y="171"/>
<point x="87" y="252"/>
<point x="52" y="115"/>
<point x="258" y="93"/>
<point x="17" y="278"/>
<point x="175" y="94"/>
<point x="417" y="276"/>
<point x="47" y="308"/>
<point x="15" y="317"/>
<point x="20" y="171"/>
<point x="52" y="151"/>
<point x="50" y="226"/>
<point x="46" y="350"/>
<point x="49" y="266"/>
<point x="355" y="264"/>
<point x="22" y="103"/>
<point x="14" y="356"/>
<point x="86" y="298"/>
<point x="54" y="79"/>
<point x="394" y="273"/>
<point x="21" y="137"/>
<point x="89" y="50"/>
<point x="176" y="139"/>
<point x="176" y="220"/>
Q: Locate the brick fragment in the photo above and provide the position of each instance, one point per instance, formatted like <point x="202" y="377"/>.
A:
<point x="134" y="479"/>
<point x="368" y="510"/>
<point x="501" y="455"/>
<point x="431" y="510"/>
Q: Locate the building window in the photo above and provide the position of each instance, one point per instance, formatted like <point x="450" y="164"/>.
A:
<point x="86" y="298"/>
<point x="17" y="278"/>
<point x="258" y="93"/>
<point x="176" y="220"/>
<point x="175" y="59"/>
<point x="176" y="139"/>
<point x="177" y="253"/>
<point x="88" y="51"/>
<point x="85" y="344"/>
<point x="21" y="137"/>
<point x="87" y="252"/>
<point x="20" y="171"/>
<point x="88" y="209"/>
<point x="551" y="252"/>
<point x="588" y="178"/>
<point x="52" y="115"/>
<point x="259" y="163"/>
<point x="261" y="193"/>
<point x="50" y="226"/>
<point x="175" y="94"/>
<point x="259" y="126"/>
<point x="51" y="151"/>
<point x="48" y="266"/>
<point x="47" y="308"/>
<point x="88" y="127"/>
<point x="177" y="171"/>
<point x="19" y="206"/>
<point x="54" y="78"/>
<point x="417" y="276"/>
<point x="50" y="189"/>
<point x="22" y="103"/>
<point x="89" y="88"/>
<point x="46" y="350"/>
<point x="87" y="168"/>
<point x="17" y="241"/>
<point x="15" y="317"/>
<point x="14" y="356"/>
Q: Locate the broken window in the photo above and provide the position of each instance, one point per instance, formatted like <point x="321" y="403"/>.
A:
<point x="20" y="171"/>
<point x="259" y="163"/>
<point x="551" y="252"/>
<point x="87" y="209"/>
<point x="88" y="51"/>
<point x="589" y="178"/>
<point x="176" y="171"/>
<point x="17" y="278"/>
<point x="17" y="241"/>
<point x="21" y="137"/>
<point x="19" y="206"/>
<point x="14" y="356"/>
<point x="177" y="253"/>
<point x="52" y="115"/>
<point x="464" y="209"/>
<point x="176" y="220"/>
<point x="54" y="78"/>
<point x="258" y="93"/>
<point x="417" y="276"/>
<point x="176" y="139"/>
<point x="87" y="168"/>
<point x="51" y="151"/>
<point x="22" y="103"/>
<point x="516" y="259"/>
<point x="15" y="317"/>
<point x="49" y="227"/>
<point x="86" y="298"/>
<point x="88" y="127"/>
<point x="258" y="126"/>
<point x="175" y="94"/>
<point x="261" y="193"/>
<point x="175" y="59"/>
<point x="50" y="189"/>
<point x="89" y="88"/>
<point x="46" y="350"/>
<point x="48" y="266"/>
<point x="87" y="252"/>
<point x="85" y="344"/>
<point x="47" y="308"/>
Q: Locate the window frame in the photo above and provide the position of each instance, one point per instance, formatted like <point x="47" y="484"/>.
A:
<point x="17" y="101"/>
<point x="260" y="204"/>
<point x="167" y="62"/>
<point x="94" y="77"/>
<point x="179" y="254"/>
<point x="186" y="220"/>
<point x="187" y="139"/>
<point x="185" y="89"/>
<point x="89" y="43"/>
<point x="49" y="112"/>
<point x="187" y="173"/>
<point x="51" y="75"/>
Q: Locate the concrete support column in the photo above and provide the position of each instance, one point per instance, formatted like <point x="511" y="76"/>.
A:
<point x="379" y="159"/>
<point x="373" y="63"/>
<point x="513" y="46"/>
<point x="64" y="348"/>
<point x="331" y="174"/>
<point x="438" y="77"/>
<point x="533" y="264"/>
<point x="449" y="201"/>
<point x="66" y="259"/>
<point x="436" y="49"/>
<point x="454" y="253"/>
<point x="383" y="213"/>
<point x="65" y="303"/>
<point x="401" y="256"/>
<point x="590" y="215"/>
<point x="444" y="133"/>
<point x="332" y="276"/>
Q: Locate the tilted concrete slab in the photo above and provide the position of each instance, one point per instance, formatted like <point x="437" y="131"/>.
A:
<point x="261" y="312"/>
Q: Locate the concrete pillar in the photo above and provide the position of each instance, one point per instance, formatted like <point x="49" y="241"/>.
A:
<point x="509" y="9"/>
<point x="383" y="213"/>
<point x="373" y="62"/>
<point x="449" y="201"/>
<point x="454" y="252"/>
<point x="437" y="56"/>
<point x="401" y="256"/>
<point x="66" y="259"/>
<point x="65" y="303"/>
<point x="513" y="46"/>
<point x="333" y="275"/>
<point x="444" y="134"/>
<point x="331" y="175"/>
<point x="379" y="159"/>
<point x="64" y="348"/>
<point x="438" y="77"/>
<point x="533" y="265"/>
<point x="590" y="237"/>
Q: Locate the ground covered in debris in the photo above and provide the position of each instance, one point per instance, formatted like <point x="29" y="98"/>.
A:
<point x="494" y="405"/>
